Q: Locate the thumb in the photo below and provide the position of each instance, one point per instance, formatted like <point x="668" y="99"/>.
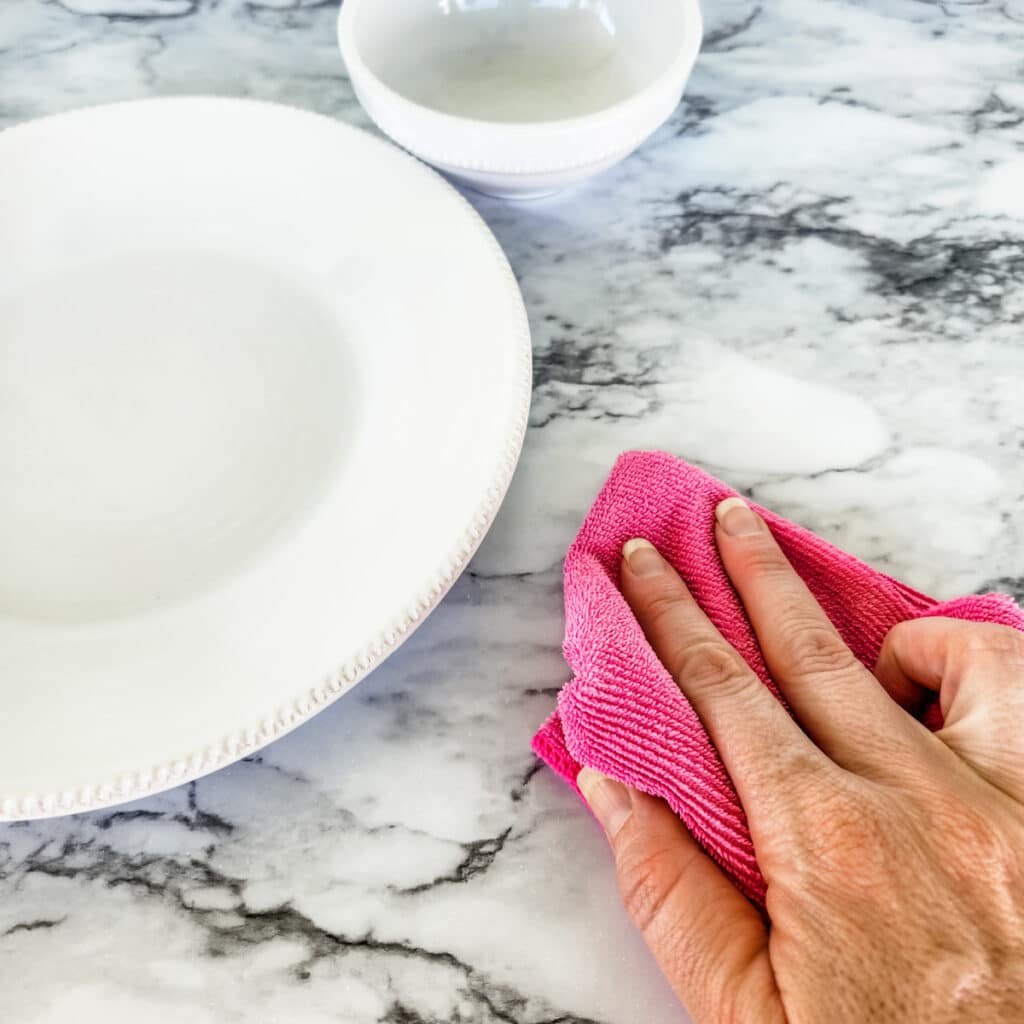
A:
<point x="709" y="941"/>
<point x="977" y="669"/>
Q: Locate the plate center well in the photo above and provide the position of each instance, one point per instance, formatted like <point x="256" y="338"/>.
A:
<point x="165" y="416"/>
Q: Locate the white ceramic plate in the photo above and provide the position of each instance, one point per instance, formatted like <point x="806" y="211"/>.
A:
<point x="263" y="384"/>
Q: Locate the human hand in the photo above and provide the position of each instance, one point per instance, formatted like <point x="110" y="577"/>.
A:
<point x="894" y="856"/>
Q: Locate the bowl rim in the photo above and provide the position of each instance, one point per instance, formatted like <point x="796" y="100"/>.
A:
<point x="622" y="111"/>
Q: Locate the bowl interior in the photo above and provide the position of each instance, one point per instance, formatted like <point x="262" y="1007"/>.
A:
<point x="518" y="60"/>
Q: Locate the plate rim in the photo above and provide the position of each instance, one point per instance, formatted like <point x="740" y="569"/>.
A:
<point x="273" y="725"/>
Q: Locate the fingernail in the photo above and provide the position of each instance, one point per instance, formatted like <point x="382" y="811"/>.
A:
<point x="642" y="557"/>
<point x="735" y="517"/>
<point x="609" y="800"/>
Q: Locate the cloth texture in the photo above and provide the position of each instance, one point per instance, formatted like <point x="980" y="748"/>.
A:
<point x="622" y="713"/>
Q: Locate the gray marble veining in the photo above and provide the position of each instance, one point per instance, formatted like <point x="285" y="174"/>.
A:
<point x="809" y="281"/>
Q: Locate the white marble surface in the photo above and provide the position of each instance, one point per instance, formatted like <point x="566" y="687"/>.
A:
<point x="809" y="281"/>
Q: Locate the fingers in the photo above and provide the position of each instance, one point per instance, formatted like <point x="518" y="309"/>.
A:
<point x="910" y="663"/>
<point x="710" y="942"/>
<point x="978" y="671"/>
<point x="836" y="699"/>
<point x="762" y="748"/>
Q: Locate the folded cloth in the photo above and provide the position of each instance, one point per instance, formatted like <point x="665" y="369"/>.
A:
<point x="623" y="715"/>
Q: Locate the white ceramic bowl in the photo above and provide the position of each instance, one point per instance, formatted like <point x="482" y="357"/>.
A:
<point x="519" y="98"/>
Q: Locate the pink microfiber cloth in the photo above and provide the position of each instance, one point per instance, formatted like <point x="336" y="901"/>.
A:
<point x="623" y="714"/>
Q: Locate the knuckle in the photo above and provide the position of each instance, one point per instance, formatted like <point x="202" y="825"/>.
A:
<point x="982" y="861"/>
<point x="646" y="883"/>
<point x="837" y="833"/>
<point x="707" y="664"/>
<point x="661" y="605"/>
<point x="849" y="836"/>
<point x="762" y="557"/>
<point x="814" y="648"/>
<point x="977" y="842"/>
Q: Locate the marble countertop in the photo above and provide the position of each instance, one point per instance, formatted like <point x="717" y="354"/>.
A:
<point x="809" y="281"/>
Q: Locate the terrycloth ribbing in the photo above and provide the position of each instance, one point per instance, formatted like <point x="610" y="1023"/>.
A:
<point x="623" y="714"/>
